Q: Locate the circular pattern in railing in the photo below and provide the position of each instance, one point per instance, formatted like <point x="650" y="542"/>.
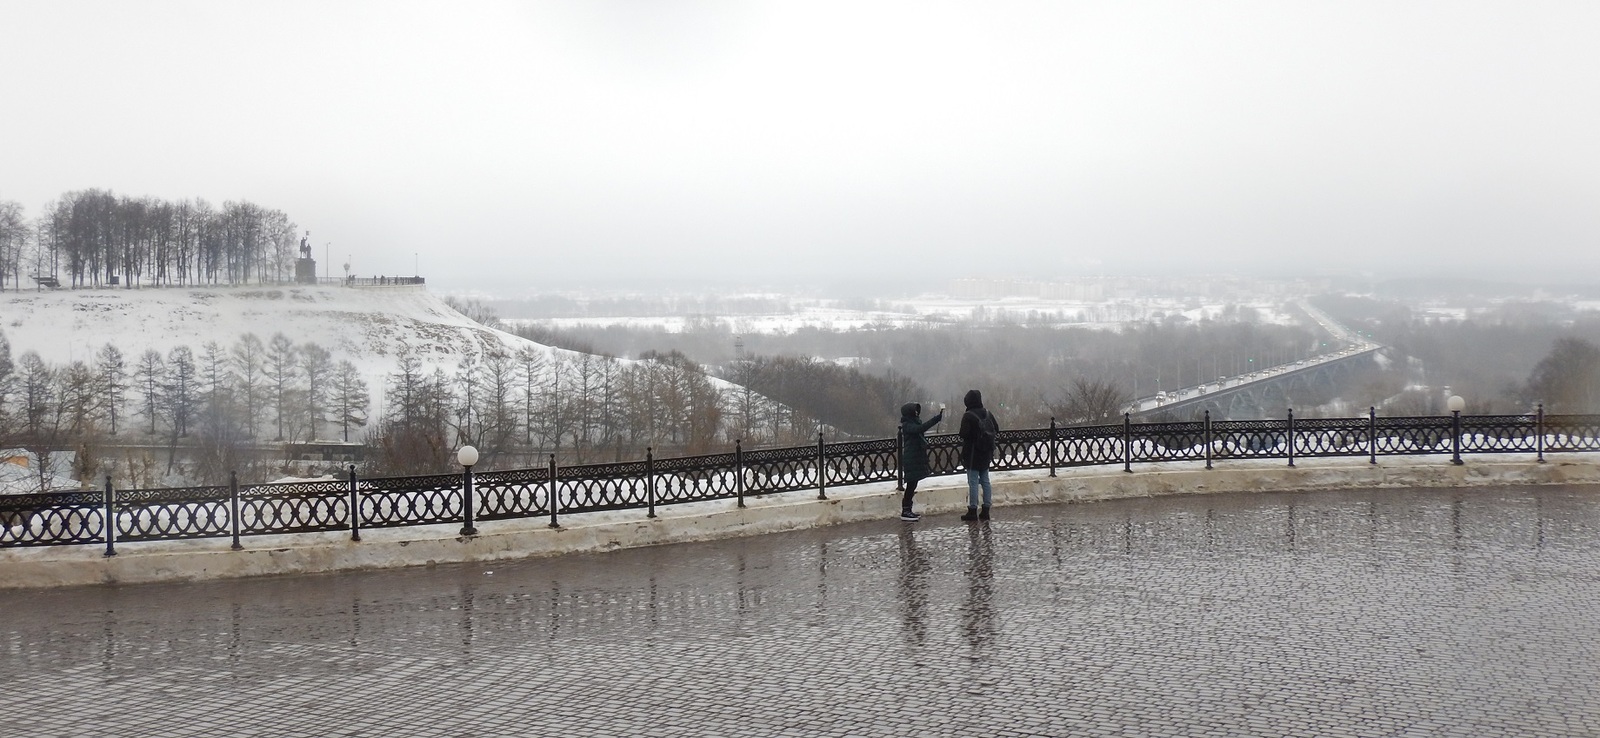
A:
<point x="67" y="518"/>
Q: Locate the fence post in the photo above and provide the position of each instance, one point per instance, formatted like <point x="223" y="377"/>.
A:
<point x="355" y="507"/>
<point x="1052" y="445"/>
<point x="738" y="469"/>
<point x="1539" y="428"/>
<point x="555" y="495"/>
<point x="1127" y="443"/>
<point x="1291" y="436"/>
<point x="822" y="469"/>
<point x="650" y="480"/>
<point x="233" y="508"/>
<point x="1455" y="438"/>
<point x="467" y="528"/>
<point x="899" y="450"/>
<point x="1372" y="434"/>
<point x="1208" y="438"/>
<point x="111" y="519"/>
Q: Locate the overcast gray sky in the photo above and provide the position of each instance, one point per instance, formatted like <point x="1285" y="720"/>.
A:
<point x="748" y="141"/>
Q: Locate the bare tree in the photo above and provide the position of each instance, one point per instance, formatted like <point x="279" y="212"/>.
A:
<point x="181" y="397"/>
<point x="36" y="391"/>
<point x="45" y="415"/>
<point x="220" y="433"/>
<point x="249" y="372"/>
<point x="552" y="421"/>
<point x="475" y="311"/>
<point x="530" y="371"/>
<point x="112" y="377"/>
<point x="77" y="398"/>
<point x="1567" y="380"/>
<point x="467" y="379"/>
<point x="411" y="438"/>
<point x="585" y="396"/>
<point x="497" y="413"/>
<point x="279" y="362"/>
<point x="150" y="374"/>
<point x="316" y="366"/>
<point x="350" y="398"/>
<point x="7" y="380"/>
<point x="14" y="233"/>
<point x="1086" y="401"/>
<point x="748" y="407"/>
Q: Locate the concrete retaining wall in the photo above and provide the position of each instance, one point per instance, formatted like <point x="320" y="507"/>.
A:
<point x="311" y="553"/>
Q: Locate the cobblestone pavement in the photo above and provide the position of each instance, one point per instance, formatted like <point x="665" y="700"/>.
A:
<point x="1361" y="613"/>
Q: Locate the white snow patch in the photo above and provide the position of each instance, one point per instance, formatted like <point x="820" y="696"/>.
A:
<point x="19" y="472"/>
<point x="367" y="326"/>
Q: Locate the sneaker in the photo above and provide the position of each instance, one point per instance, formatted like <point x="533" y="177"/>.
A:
<point x="909" y="516"/>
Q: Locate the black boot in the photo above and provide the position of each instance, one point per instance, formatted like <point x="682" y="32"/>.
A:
<point x="984" y="514"/>
<point x="972" y="514"/>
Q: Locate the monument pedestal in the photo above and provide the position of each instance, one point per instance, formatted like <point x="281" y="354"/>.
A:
<point x="305" y="271"/>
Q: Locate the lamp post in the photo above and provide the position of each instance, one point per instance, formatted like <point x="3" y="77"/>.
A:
<point x="466" y="457"/>
<point x="1456" y="405"/>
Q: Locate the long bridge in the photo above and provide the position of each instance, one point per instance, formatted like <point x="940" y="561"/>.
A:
<point x="1266" y="392"/>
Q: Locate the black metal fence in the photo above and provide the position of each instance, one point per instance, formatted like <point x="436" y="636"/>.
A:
<point x="111" y="516"/>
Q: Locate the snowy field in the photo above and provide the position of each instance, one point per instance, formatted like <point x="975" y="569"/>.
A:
<point x="930" y="311"/>
<point x="366" y="326"/>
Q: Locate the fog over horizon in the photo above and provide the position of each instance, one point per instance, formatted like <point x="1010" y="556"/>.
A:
<point x="503" y="146"/>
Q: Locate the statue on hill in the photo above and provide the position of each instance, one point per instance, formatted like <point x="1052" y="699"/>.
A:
<point x="305" y="270"/>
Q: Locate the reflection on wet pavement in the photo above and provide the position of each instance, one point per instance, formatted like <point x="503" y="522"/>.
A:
<point x="1387" y="612"/>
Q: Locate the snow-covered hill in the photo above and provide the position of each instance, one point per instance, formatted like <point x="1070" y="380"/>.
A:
<point x="367" y="326"/>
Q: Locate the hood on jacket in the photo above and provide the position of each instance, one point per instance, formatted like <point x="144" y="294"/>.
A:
<point x="973" y="399"/>
<point x="910" y="410"/>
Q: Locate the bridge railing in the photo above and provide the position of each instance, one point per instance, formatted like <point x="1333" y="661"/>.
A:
<point x="110" y="516"/>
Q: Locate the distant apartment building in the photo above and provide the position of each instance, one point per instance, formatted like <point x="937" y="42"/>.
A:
<point x="1090" y="290"/>
<point x="981" y="288"/>
<point x="1227" y="288"/>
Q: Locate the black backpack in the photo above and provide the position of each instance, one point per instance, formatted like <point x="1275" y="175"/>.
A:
<point x="983" y="443"/>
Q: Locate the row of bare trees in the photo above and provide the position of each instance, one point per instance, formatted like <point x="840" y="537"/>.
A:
<point x="1504" y="357"/>
<point x="225" y="408"/>
<point x="803" y="389"/>
<point x="517" y="406"/>
<point x="215" y="404"/>
<point x="856" y="378"/>
<point x="94" y="237"/>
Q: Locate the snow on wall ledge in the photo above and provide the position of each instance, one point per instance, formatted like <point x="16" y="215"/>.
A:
<point x="399" y="547"/>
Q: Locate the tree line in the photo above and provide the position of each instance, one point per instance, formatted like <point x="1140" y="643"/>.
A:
<point x="517" y="407"/>
<point x="217" y="404"/>
<point x="780" y="400"/>
<point x="1028" y="371"/>
<point x="95" y="237"/>
<point x="234" y="408"/>
<point x="1501" y="358"/>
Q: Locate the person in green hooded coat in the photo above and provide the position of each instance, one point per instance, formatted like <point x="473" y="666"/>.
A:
<point x="914" y="452"/>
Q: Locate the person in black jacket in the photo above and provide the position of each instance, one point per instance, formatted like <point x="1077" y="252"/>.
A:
<point x="914" y="452"/>
<point x="978" y="431"/>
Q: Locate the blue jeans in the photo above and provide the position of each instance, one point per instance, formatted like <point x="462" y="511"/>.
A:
<point x="976" y="477"/>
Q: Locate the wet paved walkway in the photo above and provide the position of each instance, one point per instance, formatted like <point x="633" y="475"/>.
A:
<point x="1353" y="613"/>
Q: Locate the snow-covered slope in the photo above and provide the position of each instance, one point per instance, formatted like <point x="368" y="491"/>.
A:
<point x="367" y="326"/>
